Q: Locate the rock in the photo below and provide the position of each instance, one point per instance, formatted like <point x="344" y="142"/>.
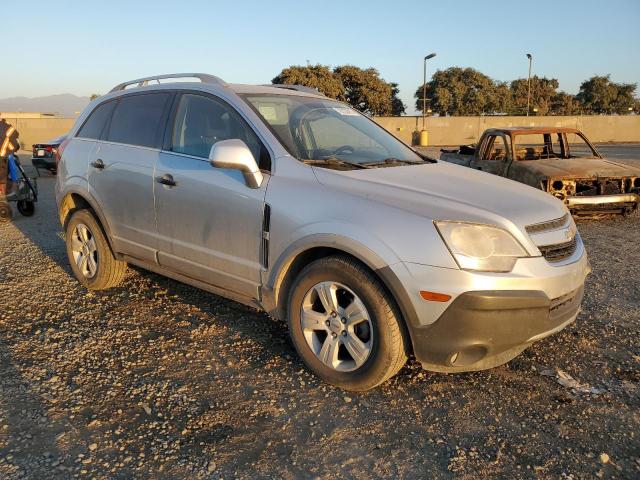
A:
<point x="604" y="458"/>
<point x="347" y="399"/>
<point x="93" y="447"/>
<point x="211" y="467"/>
<point x="146" y="408"/>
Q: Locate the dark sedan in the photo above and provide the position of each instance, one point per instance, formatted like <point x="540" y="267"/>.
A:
<point x="44" y="154"/>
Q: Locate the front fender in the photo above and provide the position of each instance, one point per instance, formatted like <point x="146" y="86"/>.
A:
<point x="374" y="253"/>
<point x="355" y="241"/>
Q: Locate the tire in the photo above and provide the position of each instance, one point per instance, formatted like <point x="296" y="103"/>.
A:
<point x="6" y="214"/>
<point x="351" y="365"/>
<point x="90" y="255"/>
<point x="26" y="207"/>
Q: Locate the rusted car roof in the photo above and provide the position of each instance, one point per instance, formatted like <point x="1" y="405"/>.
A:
<point x="529" y="130"/>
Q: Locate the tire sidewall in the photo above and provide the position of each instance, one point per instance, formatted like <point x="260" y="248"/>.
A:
<point x="26" y="208"/>
<point x="86" y="218"/>
<point x="370" y="293"/>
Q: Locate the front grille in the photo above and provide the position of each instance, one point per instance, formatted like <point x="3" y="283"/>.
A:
<point x="550" y="225"/>
<point x="559" y="251"/>
<point x="600" y="186"/>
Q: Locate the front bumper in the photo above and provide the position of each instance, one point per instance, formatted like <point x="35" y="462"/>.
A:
<point x="621" y="203"/>
<point x="485" y="329"/>
<point x="491" y="317"/>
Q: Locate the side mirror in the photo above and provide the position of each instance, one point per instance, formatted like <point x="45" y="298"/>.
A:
<point x="235" y="154"/>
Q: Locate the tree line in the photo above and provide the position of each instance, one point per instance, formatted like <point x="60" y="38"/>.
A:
<point x="464" y="91"/>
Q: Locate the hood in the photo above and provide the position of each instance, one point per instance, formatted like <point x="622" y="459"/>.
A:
<point x="578" y="168"/>
<point x="444" y="191"/>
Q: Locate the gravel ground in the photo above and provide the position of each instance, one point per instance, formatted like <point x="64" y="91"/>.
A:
<point x="158" y="379"/>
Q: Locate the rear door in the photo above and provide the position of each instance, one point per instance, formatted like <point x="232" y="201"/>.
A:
<point x="121" y="171"/>
<point x="209" y="221"/>
<point x="80" y="150"/>
<point x="494" y="155"/>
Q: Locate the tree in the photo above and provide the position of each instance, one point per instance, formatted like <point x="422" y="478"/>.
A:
<point x="463" y="91"/>
<point x="367" y="92"/>
<point x="94" y="96"/>
<point x="565" y="104"/>
<point x="315" y="76"/>
<point x="397" y="106"/>
<point x="600" y="95"/>
<point x="363" y="89"/>
<point x="543" y="90"/>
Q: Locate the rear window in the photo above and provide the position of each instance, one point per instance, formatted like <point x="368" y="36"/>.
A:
<point x="96" y="122"/>
<point x="137" y="120"/>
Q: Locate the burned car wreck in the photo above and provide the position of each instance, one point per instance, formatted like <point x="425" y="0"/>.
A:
<point x="560" y="161"/>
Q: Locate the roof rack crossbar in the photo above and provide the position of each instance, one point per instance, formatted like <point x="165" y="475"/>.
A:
<point x="143" y="82"/>
<point x="299" y="88"/>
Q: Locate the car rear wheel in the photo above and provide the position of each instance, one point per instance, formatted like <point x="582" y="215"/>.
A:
<point x="344" y="325"/>
<point x="90" y="255"/>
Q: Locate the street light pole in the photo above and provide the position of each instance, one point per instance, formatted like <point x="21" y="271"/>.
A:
<point x="530" y="57"/>
<point x="424" y="91"/>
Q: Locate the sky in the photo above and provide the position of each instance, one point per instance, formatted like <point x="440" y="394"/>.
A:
<point x="88" y="46"/>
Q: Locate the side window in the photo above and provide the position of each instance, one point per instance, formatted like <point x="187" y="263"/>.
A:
<point x="202" y="121"/>
<point x="96" y="122"/>
<point x="137" y="120"/>
<point x="495" y="149"/>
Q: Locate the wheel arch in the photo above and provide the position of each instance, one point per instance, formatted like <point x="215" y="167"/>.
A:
<point x="291" y="263"/>
<point x="74" y="200"/>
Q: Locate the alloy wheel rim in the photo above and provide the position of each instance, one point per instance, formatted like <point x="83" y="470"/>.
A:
<point x="336" y="326"/>
<point x="84" y="250"/>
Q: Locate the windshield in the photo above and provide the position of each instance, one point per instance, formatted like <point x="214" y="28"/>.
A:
<point x="578" y="147"/>
<point x="328" y="133"/>
<point x="536" y="146"/>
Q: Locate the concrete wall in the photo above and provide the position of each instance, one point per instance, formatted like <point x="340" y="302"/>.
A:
<point x="462" y="130"/>
<point x="442" y="130"/>
<point x="38" y="130"/>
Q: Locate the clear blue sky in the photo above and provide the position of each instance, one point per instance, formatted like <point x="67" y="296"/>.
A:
<point x="87" y="46"/>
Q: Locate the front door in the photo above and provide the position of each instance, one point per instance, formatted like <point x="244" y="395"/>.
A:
<point x="493" y="156"/>
<point x="209" y="220"/>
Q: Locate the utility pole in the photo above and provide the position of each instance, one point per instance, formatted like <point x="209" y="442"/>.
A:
<point x="530" y="57"/>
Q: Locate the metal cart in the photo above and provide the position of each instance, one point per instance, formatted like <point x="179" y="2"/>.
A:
<point x="25" y="196"/>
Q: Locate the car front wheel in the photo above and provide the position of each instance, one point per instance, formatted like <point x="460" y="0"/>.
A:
<point x="344" y="325"/>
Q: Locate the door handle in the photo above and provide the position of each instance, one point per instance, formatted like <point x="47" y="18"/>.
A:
<point x="98" y="164"/>
<point x="167" y="180"/>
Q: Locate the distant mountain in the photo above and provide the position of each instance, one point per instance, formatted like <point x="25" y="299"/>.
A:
<point x="63" y="105"/>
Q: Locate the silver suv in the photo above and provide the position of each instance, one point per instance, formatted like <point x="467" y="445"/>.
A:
<point x="282" y="199"/>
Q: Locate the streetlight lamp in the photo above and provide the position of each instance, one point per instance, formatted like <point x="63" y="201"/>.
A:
<point x="424" y="90"/>
<point x="530" y="57"/>
<point x="424" y="97"/>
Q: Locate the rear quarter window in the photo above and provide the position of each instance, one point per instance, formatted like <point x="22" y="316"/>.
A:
<point x="94" y="125"/>
<point x="138" y="120"/>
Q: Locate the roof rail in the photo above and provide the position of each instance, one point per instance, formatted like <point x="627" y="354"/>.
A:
<point x="299" y="88"/>
<point x="143" y="82"/>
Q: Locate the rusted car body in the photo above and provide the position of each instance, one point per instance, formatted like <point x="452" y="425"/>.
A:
<point x="560" y="161"/>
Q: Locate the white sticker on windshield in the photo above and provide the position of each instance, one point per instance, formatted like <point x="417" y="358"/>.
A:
<point x="268" y="112"/>
<point x="345" y="111"/>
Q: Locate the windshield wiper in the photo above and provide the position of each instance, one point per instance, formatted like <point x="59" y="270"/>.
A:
<point x="336" y="161"/>
<point x="393" y="161"/>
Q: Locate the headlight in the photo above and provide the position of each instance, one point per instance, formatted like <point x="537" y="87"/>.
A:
<point x="481" y="247"/>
